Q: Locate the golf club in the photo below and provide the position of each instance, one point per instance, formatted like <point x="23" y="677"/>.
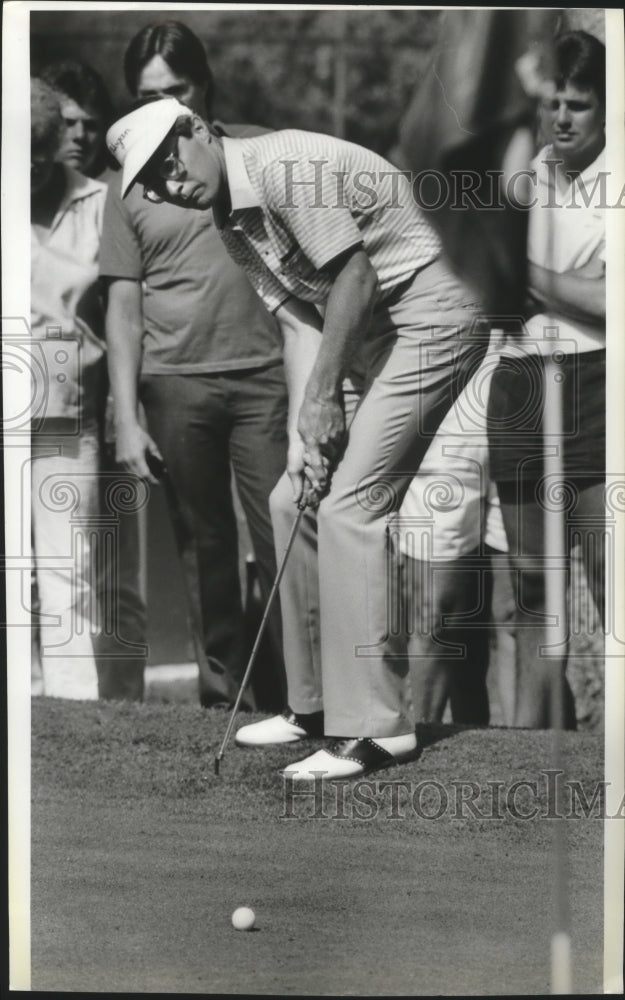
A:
<point x="301" y="507"/>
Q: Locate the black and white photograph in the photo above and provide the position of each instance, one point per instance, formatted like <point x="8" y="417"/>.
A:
<point x="314" y="462"/>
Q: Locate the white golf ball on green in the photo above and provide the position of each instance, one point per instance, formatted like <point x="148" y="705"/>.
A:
<point x="243" y="918"/>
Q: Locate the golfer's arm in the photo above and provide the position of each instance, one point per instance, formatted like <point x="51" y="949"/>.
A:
<point x="346" y="318"/>
<point x="301" y="325"/>
<point x="124" y="334"/>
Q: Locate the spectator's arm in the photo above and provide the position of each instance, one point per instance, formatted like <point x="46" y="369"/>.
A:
<point x="578" y="293"/>
<point x="124" y="334"/>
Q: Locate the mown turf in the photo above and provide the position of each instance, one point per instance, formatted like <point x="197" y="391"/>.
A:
<point x="140" y="854"/>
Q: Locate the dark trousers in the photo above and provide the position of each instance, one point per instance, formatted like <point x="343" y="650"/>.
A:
<point x="121" y="646"/>
<point x="515" y="410"/>
<point x="203" y="425"/>
<point x="457" y="611"/>
<point x="523" y="516"/>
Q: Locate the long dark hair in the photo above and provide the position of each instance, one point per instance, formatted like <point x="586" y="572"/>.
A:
<point x="181" y="49"/>
<point x="83" y="85"/>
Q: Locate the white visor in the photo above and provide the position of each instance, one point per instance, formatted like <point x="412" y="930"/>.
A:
<point x="134" y="138"/>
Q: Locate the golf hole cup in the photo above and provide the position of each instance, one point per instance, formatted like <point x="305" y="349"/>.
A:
<point x="243" y="918"/>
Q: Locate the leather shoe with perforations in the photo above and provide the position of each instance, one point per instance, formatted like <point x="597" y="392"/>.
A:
<point x="290" y="727"/>
<point x="348" y="758"/>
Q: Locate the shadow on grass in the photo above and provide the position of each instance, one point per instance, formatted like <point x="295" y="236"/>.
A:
<point x="429" y="733"/>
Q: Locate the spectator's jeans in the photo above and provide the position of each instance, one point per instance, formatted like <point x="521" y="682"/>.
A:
<point x="202" y="424"/>
<point x="65" y="509"/>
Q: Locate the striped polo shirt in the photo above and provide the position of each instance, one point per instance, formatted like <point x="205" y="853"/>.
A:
<point x="300" y="199"/>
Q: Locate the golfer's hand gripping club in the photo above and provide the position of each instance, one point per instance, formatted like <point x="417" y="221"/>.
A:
<point x="321" y="426"/>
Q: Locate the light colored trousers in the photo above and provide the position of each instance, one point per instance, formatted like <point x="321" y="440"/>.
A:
<point x="451" y="507"/>
<point x="342" y="651"/>
<point x="65" y="508"/>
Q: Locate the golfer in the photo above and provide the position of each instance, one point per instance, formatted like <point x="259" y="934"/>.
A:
<point x="378" y="341"/>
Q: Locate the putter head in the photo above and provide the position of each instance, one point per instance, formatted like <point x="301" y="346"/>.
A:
<point x="217" y="763"/>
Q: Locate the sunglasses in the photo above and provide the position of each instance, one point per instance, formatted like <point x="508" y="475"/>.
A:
<point x="170" y="168"/>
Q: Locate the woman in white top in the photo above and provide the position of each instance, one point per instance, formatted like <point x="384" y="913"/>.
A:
<point x="87" y="111"/>
<point x="566" y="252"/>
<point x="69" y="362"/>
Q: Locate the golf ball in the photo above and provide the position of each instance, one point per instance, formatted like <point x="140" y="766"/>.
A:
<point x="243" y="918"/>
